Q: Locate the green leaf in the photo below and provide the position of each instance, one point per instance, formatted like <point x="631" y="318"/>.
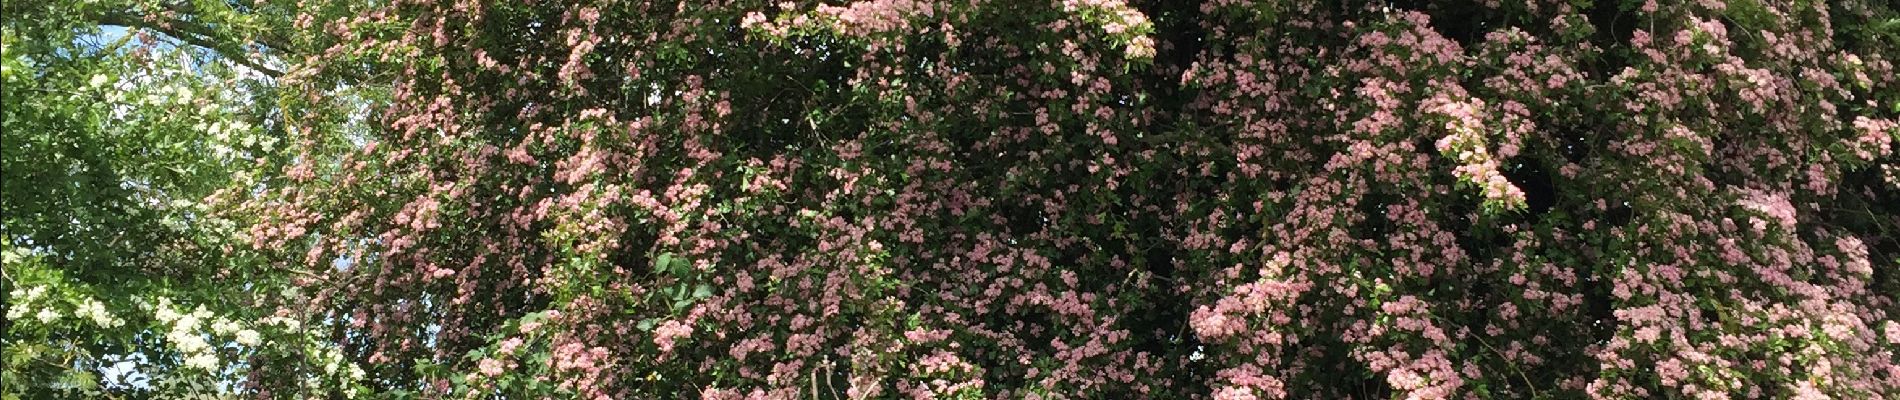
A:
<point x="80" y="380"/>
<point x="663" y="263"/>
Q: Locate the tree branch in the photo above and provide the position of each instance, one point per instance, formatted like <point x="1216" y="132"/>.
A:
<point x="192" y="35"/>
<point x="264" y="38"/>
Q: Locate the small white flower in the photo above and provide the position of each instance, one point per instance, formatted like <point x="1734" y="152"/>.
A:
<point x="187" y="322"/>
<point x="47" y="316"/>
<point x="287" y="323"/>
<point x="203" y="361"/>
<point x="16" y="312"/>
<point x="187" y="342"/>
<point x="247" y="337"/>
<point x="96" y="311"/>
<point x="167" y="315"/>
<point x="224" y="326"/>
<point x="98" y="80"/>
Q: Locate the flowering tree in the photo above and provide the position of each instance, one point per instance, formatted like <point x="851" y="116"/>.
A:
<point x="130" y="129"/>
<point x="1089" y="199"/>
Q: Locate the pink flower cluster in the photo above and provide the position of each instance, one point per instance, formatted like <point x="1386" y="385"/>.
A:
<point x="1111" y="199"/>
<point x="1465" y="142"/>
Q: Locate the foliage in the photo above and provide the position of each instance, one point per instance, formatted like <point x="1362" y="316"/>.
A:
<point x="1063" y="199"/>
<point x="124" y="152"/>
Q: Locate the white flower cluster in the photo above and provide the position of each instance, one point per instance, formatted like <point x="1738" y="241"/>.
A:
<point x="234" y="133"/>
<point x="289" y="324"/>
<point x="193" y="334"/>
<point x="22" y="300"/>
<point x="185" y="334"/>
<point x="335" y="365"/>
<point x="86" y="308"/>
<point x="96" y="311"/>
<point x="197" y="333"/>
<point x="170" y="94"/>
